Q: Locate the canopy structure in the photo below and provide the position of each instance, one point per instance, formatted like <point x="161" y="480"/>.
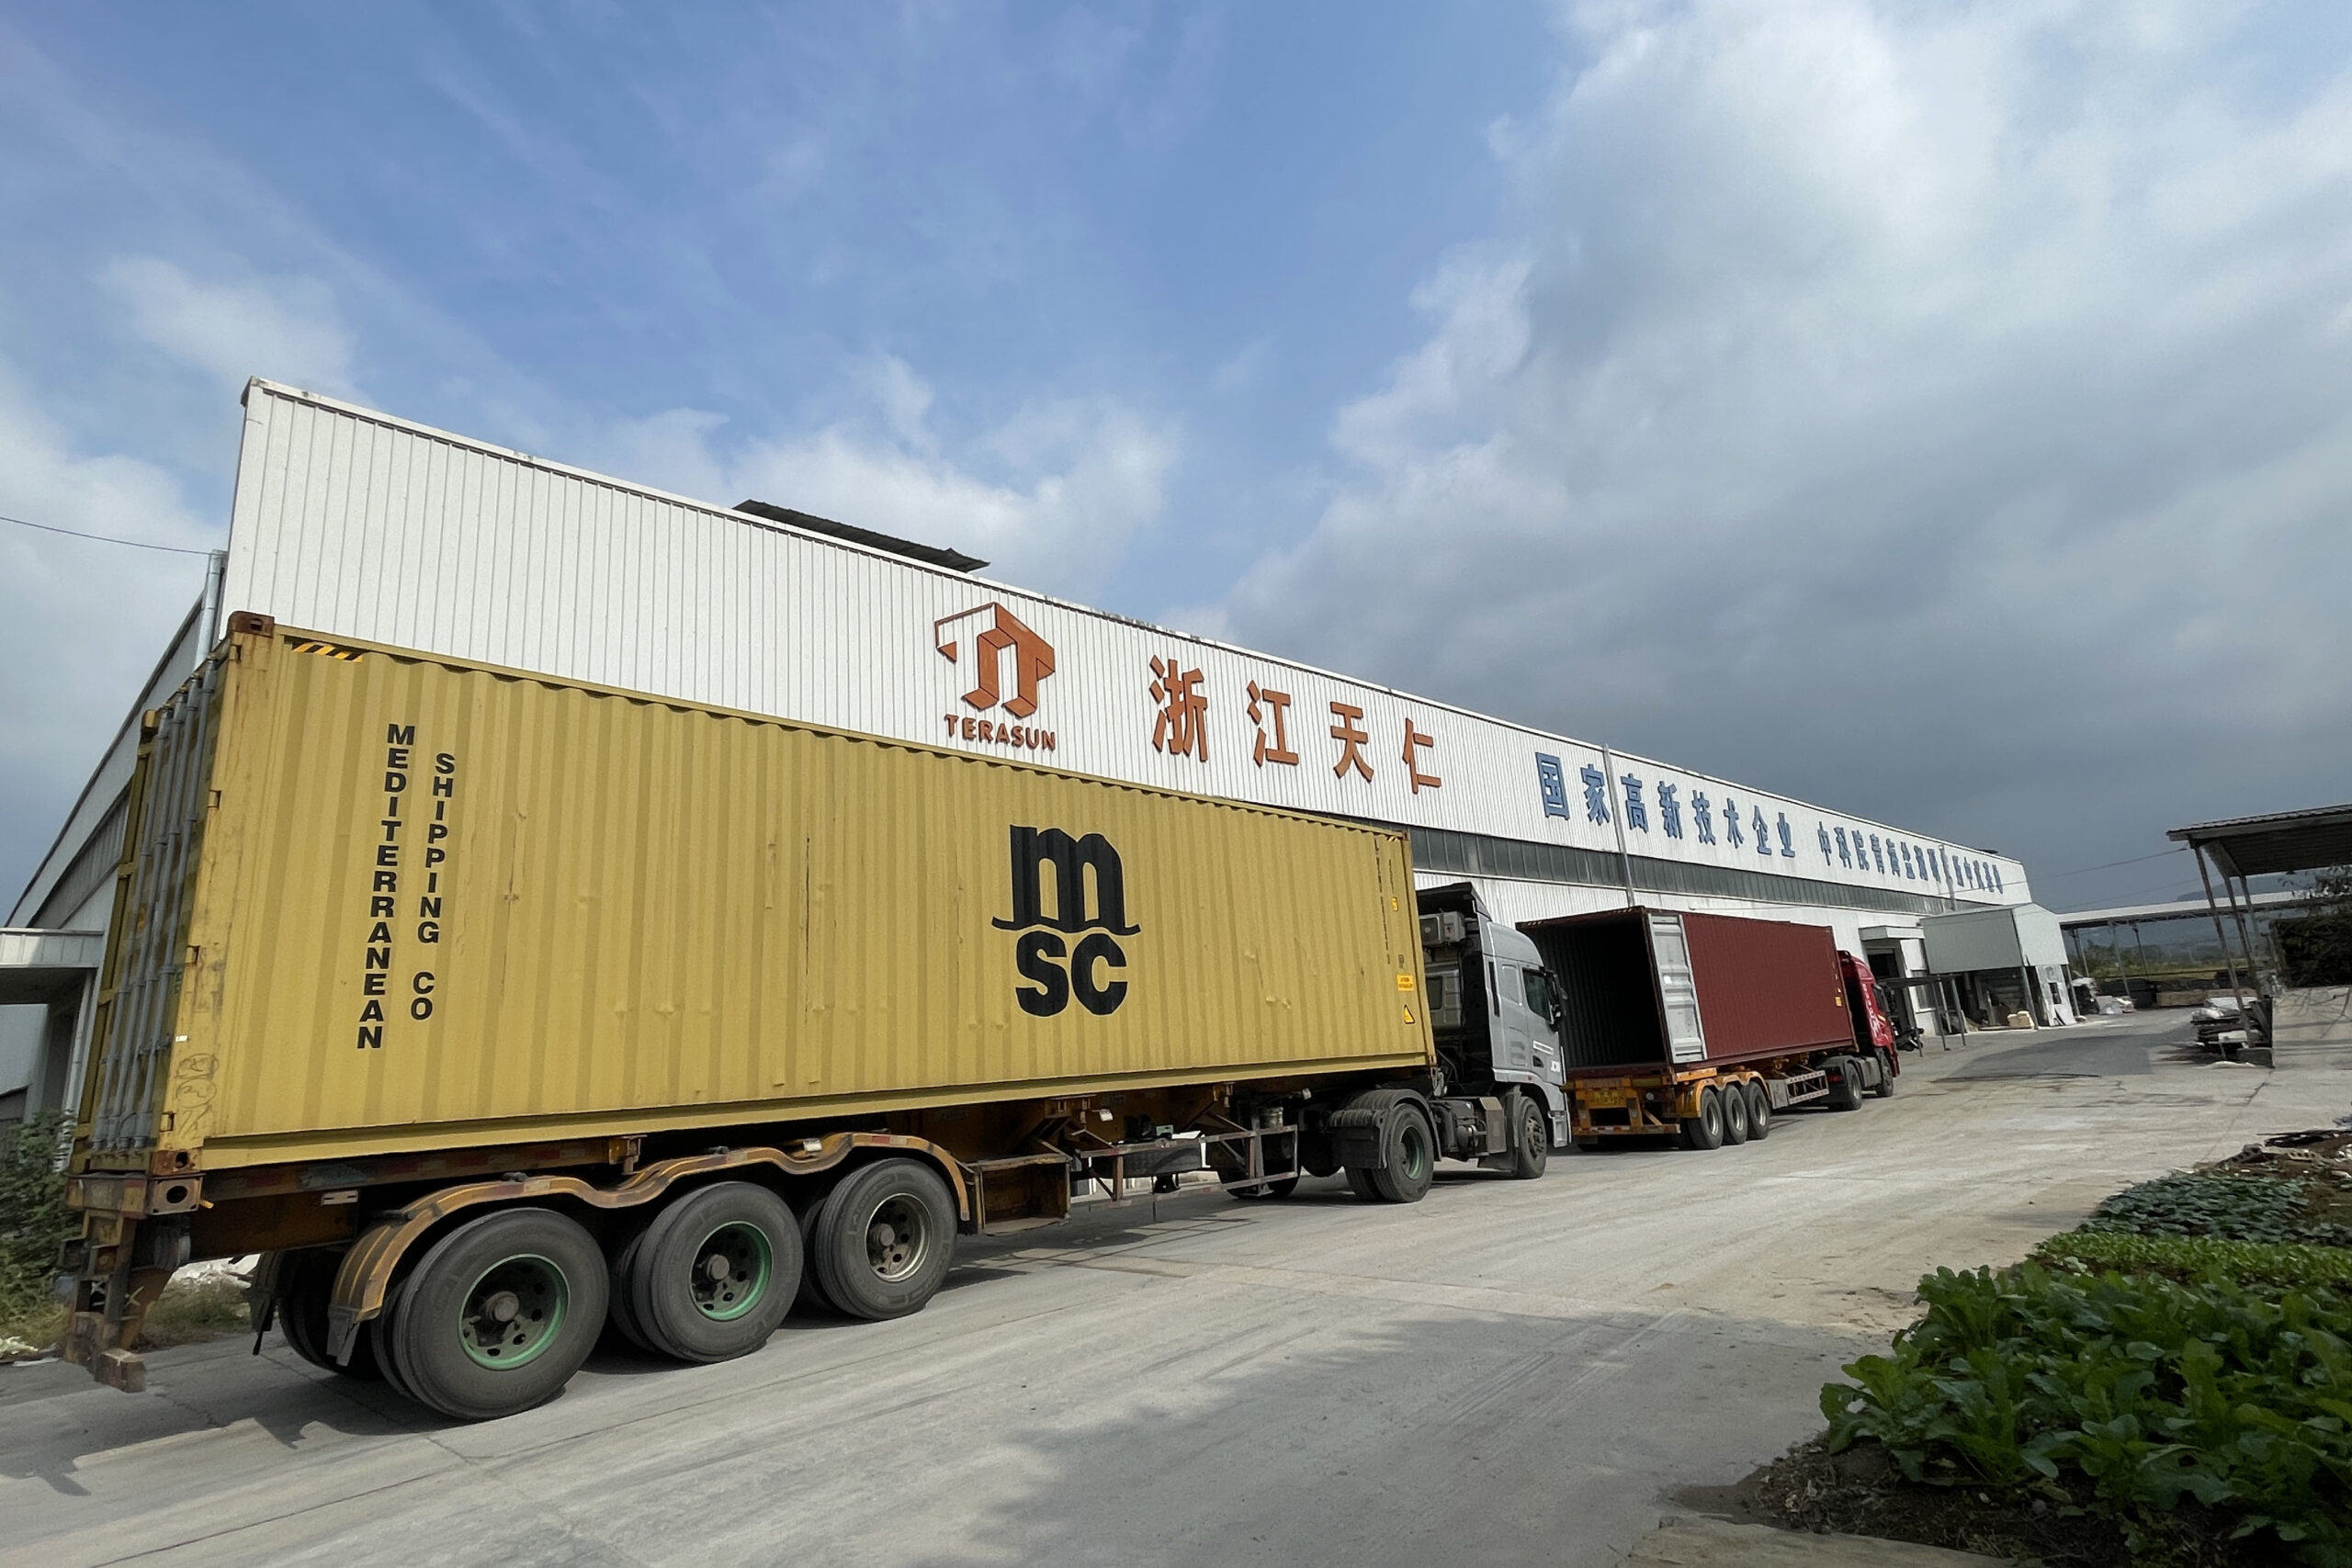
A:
<point x="2281" y="841"/>
<point x="2240" y="846"/>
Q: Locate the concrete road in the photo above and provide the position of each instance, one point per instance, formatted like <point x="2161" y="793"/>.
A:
<point x="1505" y="1373"/>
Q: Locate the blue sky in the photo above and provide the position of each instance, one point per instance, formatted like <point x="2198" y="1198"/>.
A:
<point x="1941" y="411"/>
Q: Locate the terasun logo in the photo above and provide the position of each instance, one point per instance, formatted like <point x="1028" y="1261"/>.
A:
<point x="1002" y="664"/>
<point x="1088" y="893"/>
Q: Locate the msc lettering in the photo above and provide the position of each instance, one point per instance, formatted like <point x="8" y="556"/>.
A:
<point x="1056" y="969"/>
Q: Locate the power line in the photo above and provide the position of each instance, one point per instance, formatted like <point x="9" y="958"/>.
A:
<point x="2111" y="865"/>
<point x="104" y="539"/>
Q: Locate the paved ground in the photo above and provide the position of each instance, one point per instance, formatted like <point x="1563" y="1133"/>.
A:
<point x="1506" y="1374"/>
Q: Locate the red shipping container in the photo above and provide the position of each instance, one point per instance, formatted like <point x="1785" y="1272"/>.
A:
<point x="1645" y="987"/>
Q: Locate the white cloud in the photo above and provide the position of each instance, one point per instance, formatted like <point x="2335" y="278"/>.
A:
<point x="85" y="620"/>
<point x="1940" y="414"/>
<point x="1246" y="368"/>
<point x="1051" y="498"/>
<point x="285" y="329"/>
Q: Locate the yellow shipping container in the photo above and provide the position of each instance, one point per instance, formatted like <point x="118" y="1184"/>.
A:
<point x="382" y="902"/>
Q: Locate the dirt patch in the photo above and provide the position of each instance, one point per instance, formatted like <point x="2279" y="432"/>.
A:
<point x="1861" y="1492"/>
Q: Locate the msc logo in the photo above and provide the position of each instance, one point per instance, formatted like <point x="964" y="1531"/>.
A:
<point x="1095" y="904"/>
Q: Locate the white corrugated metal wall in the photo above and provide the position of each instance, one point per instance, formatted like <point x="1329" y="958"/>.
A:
<point x="356" y="523"/>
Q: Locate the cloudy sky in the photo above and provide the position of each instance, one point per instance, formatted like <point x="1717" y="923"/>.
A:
<point x="1943" y="413"/>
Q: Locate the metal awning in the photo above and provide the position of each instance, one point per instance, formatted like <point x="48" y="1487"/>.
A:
<point x="39" y="966"/>
<point x="2281" y="841"/>
<point x="2241" y="847"/>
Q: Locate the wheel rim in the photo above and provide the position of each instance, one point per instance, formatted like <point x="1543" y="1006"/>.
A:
<point x="733" y="1267"/>
<point x="513" y="1311"/>
<point x="1415" y="1150"/>
<point x="898" y="1239"/>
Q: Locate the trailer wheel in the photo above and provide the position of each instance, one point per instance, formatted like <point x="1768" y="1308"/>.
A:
<point x="302" y="1302"/>
<point x="812" y="1297"/>
<point x="1760" y="1111"/>
<point x="716" y="1272"/>
<point x="1530" y="1136"/>
<point x="620" y="1311"/>
<point x="1411" y="1145"/>
<point x="378" y="1336"/>
<point x="1280" y="1187"/>
<point x="885" y="1239"/>
<point x="499" y="1315"/>
<point x="1705" y="1131"/>
<point x="1734" y="1113"/>
<point x="1884" y="1088"/>
<point x="1846" y="1091"/>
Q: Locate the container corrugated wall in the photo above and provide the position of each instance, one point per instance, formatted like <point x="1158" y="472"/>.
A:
<point x="1766" y="986"/>
<point x="1608" y="1003"/>
<point x="150" y="945"/>
<point x="445" y="905"/>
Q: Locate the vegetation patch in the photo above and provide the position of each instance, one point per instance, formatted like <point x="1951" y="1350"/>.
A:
<point x="34" y="1224"/>
<point x="1859" y="1491"/>
<point x="2132" y="1396"/>
<point x="2272" y="1204"/>
<point x="2186" y="1259"/>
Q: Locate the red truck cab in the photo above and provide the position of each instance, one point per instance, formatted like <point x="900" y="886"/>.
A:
<point x="1872" y="1029"/>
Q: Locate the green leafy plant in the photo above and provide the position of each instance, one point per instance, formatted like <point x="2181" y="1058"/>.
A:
<point x="2189" y="1257"/>
<point x="2146" y="1391"/>
<point x="34" y="1224"/>
<point x="2232" y="1208"/>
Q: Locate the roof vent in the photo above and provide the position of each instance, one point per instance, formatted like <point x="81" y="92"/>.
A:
<point x="930" y="555"/>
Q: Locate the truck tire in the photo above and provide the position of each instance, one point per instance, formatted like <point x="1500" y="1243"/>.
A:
<point x="1846" y="1085"/>
<point x="1760" y="1111"/>
<point x="1884" y="1088"/>
<point x="499" y="1315"/>
<point x="617" y="1274"/>
<point x="378" y="1334"/>
<point x="1531" y="1136"/>
<point x="1280" y="1187"/>
<point x="1705" y="1131"/>
<point x="303" y="1299"/>
<point x="715" y="1272"/>
<point x="885" y="1239"/>
<point x="1409" y="1143"/>
<point x="812" y="1296"/>
<point x="1734" y="1096"/>
<point x="1360" y="1184"/>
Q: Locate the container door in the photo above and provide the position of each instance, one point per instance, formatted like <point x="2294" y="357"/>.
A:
<point x="1686" y="1039"/>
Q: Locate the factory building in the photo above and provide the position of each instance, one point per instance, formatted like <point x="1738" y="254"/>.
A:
<point x="350" y="522"/>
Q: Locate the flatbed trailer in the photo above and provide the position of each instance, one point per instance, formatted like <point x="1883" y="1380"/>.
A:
<point x="491" y="1007"/>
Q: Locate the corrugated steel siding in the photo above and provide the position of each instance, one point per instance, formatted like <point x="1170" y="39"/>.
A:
<point x="151" y="940"/>
<point x="1766" y="986"/>
<point x="658" y="915"/>
<point x="360" y="525"/>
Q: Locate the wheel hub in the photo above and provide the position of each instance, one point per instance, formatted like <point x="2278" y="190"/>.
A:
<point x="894" y="1239"/>
<point x="513" y="1312"/>
<point x="732" y="1271"/>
